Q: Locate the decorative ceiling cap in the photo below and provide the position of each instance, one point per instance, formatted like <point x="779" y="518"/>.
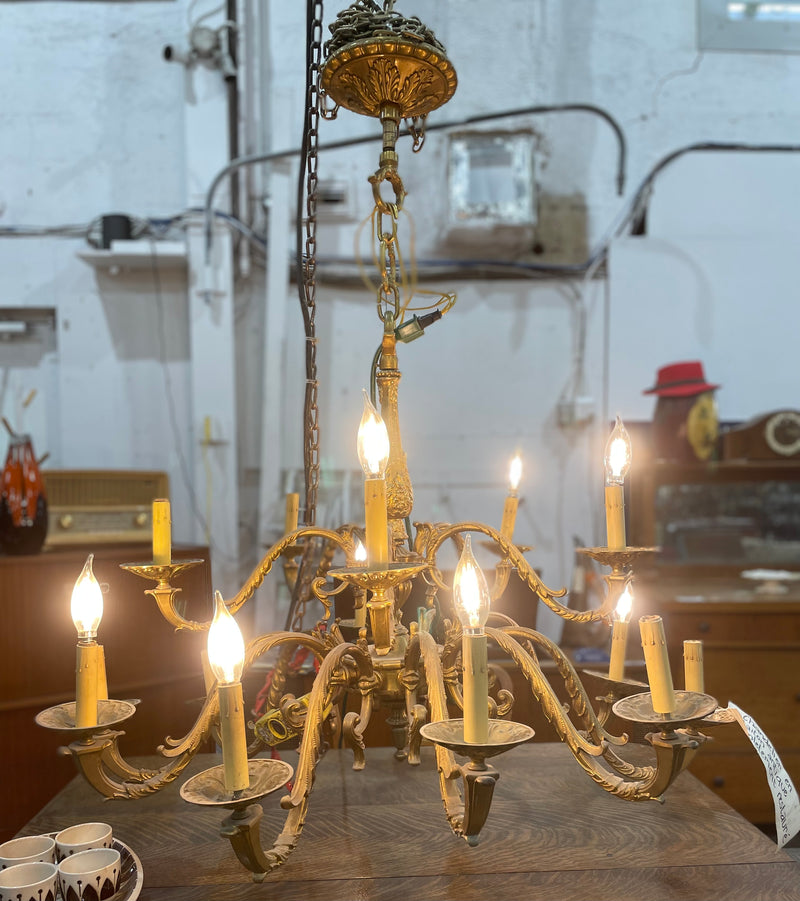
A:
<point x="377" y="57"/>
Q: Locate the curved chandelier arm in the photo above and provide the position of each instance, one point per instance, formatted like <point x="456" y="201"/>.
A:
<point x="102" y="765"/>
<point x="674" y="752"/>
<point x="164" y="593"/>
<point x="242" y="826"/>
<point x="265" y="643"/>
<point x="579" y="700"/>
<point x="545" y="695"/>
<point x="423" y="647"/>
<point x="437" y="536"/>
<point x="593" y="724"/>
<point x="343" y="540"/>
<point x="309" y="750"/>
<point x="674" y="749"/>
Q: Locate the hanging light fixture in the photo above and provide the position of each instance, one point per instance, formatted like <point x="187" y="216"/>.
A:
<point x="381" y="64"/>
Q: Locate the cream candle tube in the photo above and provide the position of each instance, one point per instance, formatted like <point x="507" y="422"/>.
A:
<point x="86" y="670"/>
<point x="619" y="640"/>
<point x="377" y="523"/>
<point x="292" y="512"/>
<point x="233" y="737"/>
<point x="509" y="517"/>
<point x="615" y="517"/>
<point x="656" y="660"/>
<point x="162" y="532"/>
<point x="102" y="681"/>
<point x="693" y="665"/>
<point x="475" y="663"/>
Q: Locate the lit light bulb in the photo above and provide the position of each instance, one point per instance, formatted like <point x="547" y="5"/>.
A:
<point x="225" y="645"/>
<point x="86" y="605"/>
<point x="625" y="605"/>
<point x="360" y="553"/>
<point x="617" y="457"/>
<point x="514" y="474"/>
<point x="470" y="591"/>
<point x="373" y="442"/>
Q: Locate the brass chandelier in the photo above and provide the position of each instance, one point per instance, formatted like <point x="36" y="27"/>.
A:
<point x="383" y="65"/>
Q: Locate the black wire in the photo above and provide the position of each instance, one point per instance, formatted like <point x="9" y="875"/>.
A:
<point x="638" y="207"/>
<point x="256" y="158"/>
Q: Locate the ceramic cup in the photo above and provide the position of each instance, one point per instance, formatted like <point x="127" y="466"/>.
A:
<point x="29" y="849"/>
<point x="29" y="882"/>
<point x="82" y="837"/>
<point x="90" y="875"/>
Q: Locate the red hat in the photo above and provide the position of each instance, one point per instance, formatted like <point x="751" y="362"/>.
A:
<point x="681" y="380"/>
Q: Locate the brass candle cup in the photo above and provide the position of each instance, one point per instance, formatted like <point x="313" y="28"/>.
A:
<point x="207" y="789"/>
<point x="690" y="707"/>
<point x="61" y="718"/>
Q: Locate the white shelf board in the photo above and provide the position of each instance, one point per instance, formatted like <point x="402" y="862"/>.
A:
<point x="137" y="255"/>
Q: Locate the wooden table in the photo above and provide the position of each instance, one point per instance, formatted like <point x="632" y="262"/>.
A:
<point x="382" y="834"/>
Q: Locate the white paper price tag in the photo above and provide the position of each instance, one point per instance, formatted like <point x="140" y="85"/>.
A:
<point x="784" y="794"/>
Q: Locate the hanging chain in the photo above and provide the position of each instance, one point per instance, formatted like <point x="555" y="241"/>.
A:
<point x="388" y="290"/>
<point x="416" y="128"/>
<point x="311" y="409"/>
<point x="306" y="277"/>
<point x="364" y="18"/>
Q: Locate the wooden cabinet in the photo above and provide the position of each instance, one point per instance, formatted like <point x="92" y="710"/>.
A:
<point x="145" y="659"/>
<point x="712" y="522"/>
<point x="752" y="657"/>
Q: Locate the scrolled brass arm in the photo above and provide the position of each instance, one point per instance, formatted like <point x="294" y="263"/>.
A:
<point x="432" y="540"/>
<point x="241" y="828"/>
<point x="674" y="750"/>
<point x="422" y="648"/>
<point x="165" y="593"/>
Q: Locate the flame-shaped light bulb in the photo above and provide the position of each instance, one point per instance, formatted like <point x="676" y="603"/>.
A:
<point x="373" y="442"/>
<point x="624" y="605"/>
<point x="514" y="474"/>
<point x="86" y="605"/>
<point x="225" y="645"/>
<point x="360" y="552"/>
<point x="470" y="591"/>
<point x="617" y="458"/>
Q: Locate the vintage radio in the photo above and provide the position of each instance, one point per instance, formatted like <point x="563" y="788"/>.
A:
<point x="103" y="506"/>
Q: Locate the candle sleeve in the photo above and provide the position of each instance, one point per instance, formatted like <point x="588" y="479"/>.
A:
<point x="656" y="660"/>
<point x="693" y="665"/>
<point x="102" y="681"/>
<point x="162" y="532"/>
<point x="86" y="671"/>
<point x="619" y="640"/>
<point x="509" y="517"/>
<point x="615" y="517"/>
<point x="476" y="687"/>
<point x="292" y="512"/>
<point x="233" y="736"/>
<point x="377" y="524"/>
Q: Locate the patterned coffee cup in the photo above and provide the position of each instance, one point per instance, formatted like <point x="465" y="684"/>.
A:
<point x="82" y="837"/>
<point x="29" y="882"/>
<point x="91" y="875"/>
<point x="28" y="849"/>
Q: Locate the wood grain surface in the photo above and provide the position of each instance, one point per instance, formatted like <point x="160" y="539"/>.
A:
<point x="381" y="833"/>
